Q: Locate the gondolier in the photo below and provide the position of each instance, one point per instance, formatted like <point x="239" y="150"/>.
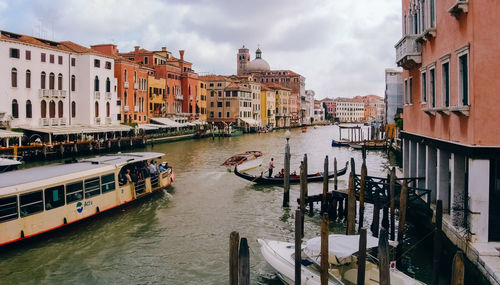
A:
<point x="271" y="167"/>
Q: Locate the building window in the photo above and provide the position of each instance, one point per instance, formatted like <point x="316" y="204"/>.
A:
<point x="15" y="109"/>
<point x="73" y="109"/>
<point x="410" y="90"/>
<point x="43" y="109"/>
<point x="107" y="109"/>
<point x="146" y="60"/>
<point x="97" y="63"/>
<point x="135" y="76"/>
<point x="51" y="81"/>
<point x="28" y="55"/>
<point x="432" y="13"/>
<point x="59" y="81"/>
<point x="52" y="109"/>
<point x="108" y="85"/>
<point x="28" y="78"/>
<point x="107" y="65"/>
<point x="60" y="59"/>
<point x="51" y="58"/>
<point x="212" y="93"/>
<point x="14" y="53"/>
<point x="96" y="109"/>
<point x="432" y="82"/>
<point x="220" y="114"/>
<point x="423" y="87"/>
<point x="406" y="92"/>
<point x="446" y="84"/>
<point x="73" y="83"/>
<point x="463" y="78"/>
<point x="211" y="114"/>
<point x="73" y="62"/>
<point x="13" y="77"/>
<point x="60" y="109"/>
<point x="212" y="104"/>
<point x="43" y="57"/>
<point x="96" y="83"/>
<point x="219" y="104"/>
<point x="228" y="104"/>
<point x="29" y="113"/>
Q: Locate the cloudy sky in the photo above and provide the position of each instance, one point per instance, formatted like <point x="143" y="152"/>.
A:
<point x="341" y="46"/>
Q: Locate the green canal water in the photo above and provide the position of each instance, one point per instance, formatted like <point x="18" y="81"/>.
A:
<point x="181" y="236"/>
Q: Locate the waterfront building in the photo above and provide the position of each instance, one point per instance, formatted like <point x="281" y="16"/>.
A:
<point x="374" y="107"/>
<point x="282" y="97"/>
<point x="262" y="73"/>
<point x="307" y="106"/>
<point x="328" y="105"/>
<point x="349" y="110"/>
<point x="319" y="112"/>
<point x="449" y="53"/>
<point x="48" y="83"/>
<point x="255" y="88"/>
<point x="132" y="85"/>
<point x="268" y="106"/>
<point x="202" y="101"/>
<point x="156" y="96"/>
<point x="393" y="94"/>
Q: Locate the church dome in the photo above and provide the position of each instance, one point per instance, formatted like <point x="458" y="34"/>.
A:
<point x="258" y="64"/>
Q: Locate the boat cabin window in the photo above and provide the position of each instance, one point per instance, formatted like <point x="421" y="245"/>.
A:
<point x="54" y="197"/>
<point x="31" y="203"/>
<point x="8" y="208"/>
<point x="74" y="192"/>
<point x="108" y="182"/>
<point x="92" y="187"/>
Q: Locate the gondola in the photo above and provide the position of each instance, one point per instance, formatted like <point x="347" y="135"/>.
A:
<point x="264" y="180"/>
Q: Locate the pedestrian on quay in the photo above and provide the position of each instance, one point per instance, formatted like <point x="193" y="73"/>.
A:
<point x="271" y="167"/>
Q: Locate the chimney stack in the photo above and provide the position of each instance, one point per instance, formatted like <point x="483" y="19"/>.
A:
<point x="181" y="52"/>
<point x="136" y="48"/>
<point x="163" y="48"/>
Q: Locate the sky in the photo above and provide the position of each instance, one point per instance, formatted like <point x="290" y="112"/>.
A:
<point x="341" y="47"/>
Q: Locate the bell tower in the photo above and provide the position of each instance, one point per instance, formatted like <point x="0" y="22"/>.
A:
<point x="242" y="59"/>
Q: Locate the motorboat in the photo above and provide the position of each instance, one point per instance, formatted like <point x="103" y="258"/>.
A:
<point x="244" y="161"/>
<point x="279" y="179"/>
<point x="9" y="162"/>
<point x="342" y="260"/>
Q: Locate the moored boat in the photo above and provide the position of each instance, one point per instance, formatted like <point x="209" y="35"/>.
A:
<point x="9" y="163"/>
<point x="244" y="161"/>
<point x="369" y="145"/>
<point x="40" y="199"/>
<point x="265" y="180"/>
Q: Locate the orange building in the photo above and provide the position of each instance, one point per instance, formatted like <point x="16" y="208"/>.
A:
<point x="449" y="52"/>
<point x="132" y="81"/>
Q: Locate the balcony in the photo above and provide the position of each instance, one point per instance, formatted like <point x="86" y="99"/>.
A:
<point x="107" y="95"/>
<point x="97" y="95"/>
<point x="54" y="122"/>
<point x="443" y="110"/>
<point x="429" y="111"/>
<point x="126" y="108"/>
<point x="408" y="52"/>
<point x="44" y="122"/>
<point x="460" y="7"/>
<point x="97" y="121"/>
<point x="125" y="84"/>
<point x="62" y="121"/>
<point x="54" y="93"/>
<point x="43" y="93"/>
<point x="136" y="86"/>
<point x="136" y="108"/>
<point x="108" y="121"/>
<point x="179" y="97"/>
<point x="62" y="94"/>
<point x="461" y="110"/>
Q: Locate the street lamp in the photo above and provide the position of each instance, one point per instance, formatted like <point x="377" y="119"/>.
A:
<point x="286" y="180"/>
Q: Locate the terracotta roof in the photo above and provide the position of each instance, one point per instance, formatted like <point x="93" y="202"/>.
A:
<point x="81" y="49"/>
<point x="237" y="86"/>
<point x="213" y="77"/>
<point x="43" y="43"/>
<point x="276" y="86"/>
<point x="265" y="88"/>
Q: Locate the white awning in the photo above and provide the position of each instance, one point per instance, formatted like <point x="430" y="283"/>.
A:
<point x="148" y="127"/>
<point x="10" y="134"/>
<point x="167" y="122"/>
<point x="79" y="129"/>
<point x="199" y="122"/>
<point x="250" y="121"/>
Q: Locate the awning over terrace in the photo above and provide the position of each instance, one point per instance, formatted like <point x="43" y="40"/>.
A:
<point x="167" y="122"/>
<point x="250" y="121"/>
<point x="78" y="129"/>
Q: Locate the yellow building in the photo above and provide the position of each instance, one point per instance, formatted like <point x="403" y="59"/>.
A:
<point x="202" y="101"/>
<point x="282" y="97"/>
<point x="156" y="96"/>
<point x="268" y="106"/>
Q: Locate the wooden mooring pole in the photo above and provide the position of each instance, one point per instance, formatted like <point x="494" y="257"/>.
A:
<point x="437" y="249"/>
<point x="244" y="263"/>
<point x="402" y="220"/>
<point x="362" y="256"/>
<point x="362" y="185"/>
<point x="234" y="244"/>
<point x="335" y="179"/>
<point x="458" y="269"/>
<point x="351" y="204"/>
<point x="376" y="214"/>
<point x="302" y="205"/>
<point x="286" y="181"/>
<point x="392" y="185"/>
<point x="298" y="245"/>
<point x="324" y="250"/>
<point x="324" y="201"/>
<point x="383" y="258"/>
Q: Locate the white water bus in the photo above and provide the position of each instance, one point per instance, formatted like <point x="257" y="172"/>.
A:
<point x="40" y="199"/>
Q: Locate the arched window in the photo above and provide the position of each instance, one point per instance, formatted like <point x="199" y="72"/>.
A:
<point x="73" y="109"/>
<point x="135" y="98"/>
<point x="96" y="109"/>
<point x="28" y="109"/>
<point x="43" y="109"/>
<point x="125" y="75"/>
<point x="28" y="78"/>
<point x="52" y="109"/>
<point x="60" y="109"/>
<point x="15" y="109"/>
<point x="13" y="74"/>
<point x="108" y="85"/>
<point x="135" y="76"/>
<point x="96" y="83"/>
<point x="107" y="109"/>
<point x="59" y="81"/>
<point x="42" y="80"/>
<point x="51" y="81"/>
<point x="73" y="82"/>
<point x="125" y="103"/>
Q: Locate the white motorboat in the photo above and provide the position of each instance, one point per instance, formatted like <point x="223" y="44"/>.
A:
<point x="8" y="163"/>
<point x="341" y="258"/>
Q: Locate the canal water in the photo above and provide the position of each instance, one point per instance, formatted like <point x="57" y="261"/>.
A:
<point x="181" y="236"/>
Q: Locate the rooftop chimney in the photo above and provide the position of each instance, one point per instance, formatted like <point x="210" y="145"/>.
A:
<point x="163" y="48"/>
<point x="181" y="52"/>
<point x="136" y="48"/>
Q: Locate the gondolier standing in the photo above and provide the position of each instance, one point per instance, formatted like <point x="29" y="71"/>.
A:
<point x="271" y="167"/>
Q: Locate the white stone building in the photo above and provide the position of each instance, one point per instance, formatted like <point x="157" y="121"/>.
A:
<point x="349" y="110"/>
<point x="393" y="94"/>
<point x="307" y="106"/>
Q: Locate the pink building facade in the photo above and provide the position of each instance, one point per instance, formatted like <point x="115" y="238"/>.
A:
<point x="449" y="53"/>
